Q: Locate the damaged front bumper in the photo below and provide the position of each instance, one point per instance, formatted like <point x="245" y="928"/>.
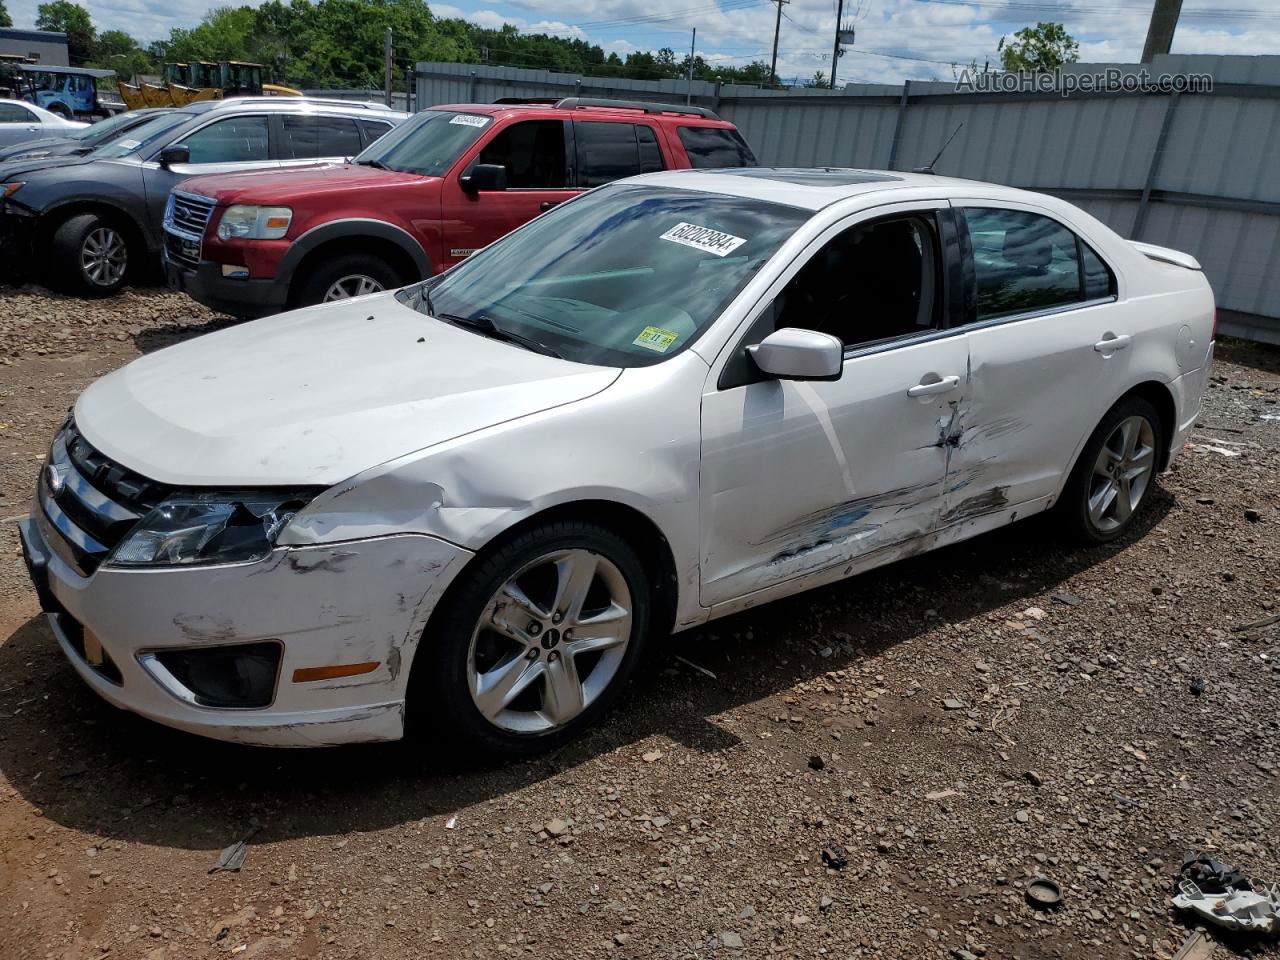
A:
<point x="17" y="236"/>
<point x="171" y="644"/>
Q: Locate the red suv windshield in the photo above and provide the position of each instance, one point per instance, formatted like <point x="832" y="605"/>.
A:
<point x="426" y="145"/>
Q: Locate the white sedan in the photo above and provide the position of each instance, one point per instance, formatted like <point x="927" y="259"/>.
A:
<point x="466" y="505"/>
<point x="20" y="122"/>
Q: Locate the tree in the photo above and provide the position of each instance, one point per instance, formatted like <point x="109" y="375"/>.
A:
<point x="1039" y="49"/>
<point x="5" y="19"/>
<point x="116" y="50"/>
<point x="72" y="19"/>
<point x="819" y="80"/>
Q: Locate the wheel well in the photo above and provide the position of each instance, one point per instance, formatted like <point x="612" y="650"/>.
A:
<point x="133" y="232"/>
<point x="1158" y="395"/>
<point x="639" y="531"/>
<point x="386" y="250"/>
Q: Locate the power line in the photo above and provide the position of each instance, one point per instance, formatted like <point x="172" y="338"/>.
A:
<point x="1077" y="9"/>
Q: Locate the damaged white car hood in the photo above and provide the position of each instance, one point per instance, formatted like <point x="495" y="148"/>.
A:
<point x="316" y="395"/>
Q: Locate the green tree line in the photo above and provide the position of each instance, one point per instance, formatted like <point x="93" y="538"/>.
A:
<point x="339" y="43"/>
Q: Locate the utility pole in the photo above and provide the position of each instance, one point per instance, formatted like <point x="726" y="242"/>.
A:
<point x="777" y="27"/>
<point x="693" y="45"/>
<point x="1164" y="20"/>
<point x="835" y="52"/>
<point x="386" y="78"/>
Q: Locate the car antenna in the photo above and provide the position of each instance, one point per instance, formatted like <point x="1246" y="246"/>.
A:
<point x="929" y="167"/>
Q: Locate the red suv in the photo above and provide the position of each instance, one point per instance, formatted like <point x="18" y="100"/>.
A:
<point x="422" y="198"/>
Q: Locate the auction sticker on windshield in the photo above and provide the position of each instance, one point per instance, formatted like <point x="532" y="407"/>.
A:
<point x="656" y="339"/>
<point x="704" y="238"/>
<point x="469" y="120"/>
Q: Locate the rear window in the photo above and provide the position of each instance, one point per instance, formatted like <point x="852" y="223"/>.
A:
<point x="710" y="147"/>
<point x="611" y="151"/>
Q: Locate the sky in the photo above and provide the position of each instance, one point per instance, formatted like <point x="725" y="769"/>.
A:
<point x="895" y="39"/>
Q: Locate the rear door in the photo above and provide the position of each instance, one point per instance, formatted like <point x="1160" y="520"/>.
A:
<point x="608" y="150"/>
<point x="536" y="155"/>
<point x="1049" y="344"/>
<point x="316" y="138"/>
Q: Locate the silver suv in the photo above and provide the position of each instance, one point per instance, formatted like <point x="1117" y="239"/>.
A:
<point x="96" y="218"/>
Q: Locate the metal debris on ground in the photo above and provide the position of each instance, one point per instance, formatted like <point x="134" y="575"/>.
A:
<point x="689" y="663"/>
<point x="1227" y="897"/>
<point x="232" y="858"/>
<point x="835" y="856"/>
<point x="1195" y="947"/>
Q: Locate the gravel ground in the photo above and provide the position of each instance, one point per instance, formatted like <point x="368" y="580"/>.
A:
<point x="950" y="726"/>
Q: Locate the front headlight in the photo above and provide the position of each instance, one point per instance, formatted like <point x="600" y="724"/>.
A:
<point x="255" y="223"/>
<point x="202" y="528"/>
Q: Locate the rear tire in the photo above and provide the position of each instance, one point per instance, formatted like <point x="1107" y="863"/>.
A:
<point x="506" y="668"/>
<point x="1115" y="473"/>
<point x="90" y="255"/>
<point x="355" y="273"/>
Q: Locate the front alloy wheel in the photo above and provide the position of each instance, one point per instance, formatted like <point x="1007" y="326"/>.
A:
<point x="533" y="641"/>
<point x="104" y="257"/>
<point x="352" y="285"/>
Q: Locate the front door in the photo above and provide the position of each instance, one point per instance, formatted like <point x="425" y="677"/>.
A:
<point x="538" y="177"/>
<point x="801" y="478"/>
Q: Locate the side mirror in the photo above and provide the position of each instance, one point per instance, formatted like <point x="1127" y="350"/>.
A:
<point x="173" y="155"/>
<point x="795" y="354"/>
<point x="484" y="176"/>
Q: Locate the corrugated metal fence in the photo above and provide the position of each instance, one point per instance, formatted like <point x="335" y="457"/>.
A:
<point x="1195" y="171"/>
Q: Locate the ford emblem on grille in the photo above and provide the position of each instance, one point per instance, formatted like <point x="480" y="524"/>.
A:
<point x="53" y="479"/>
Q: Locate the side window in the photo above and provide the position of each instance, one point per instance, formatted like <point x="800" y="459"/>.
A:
<point x="715" y="147"/>
<point x="1022" y="262"/>
<point x="876" y="281"/>
<point x="1098" y="281"/>
<point x="12" y="113"/>
<point x="233" y="140"/>
<point x="650" y="153"/>
<point x="607" y="152"/>
<point x="373" y="129"/>
<point x="313" y="137"/>
<point x="533" y="153"/>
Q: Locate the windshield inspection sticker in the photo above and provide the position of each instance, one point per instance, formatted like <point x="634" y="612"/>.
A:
<point x="704" y="238"/>
<point x="656" y="339"/>
<point x="469" y="120"/>
<point x="129" y="144"/>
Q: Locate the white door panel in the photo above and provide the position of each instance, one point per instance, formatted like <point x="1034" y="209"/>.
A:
<point x="798" y="477"/>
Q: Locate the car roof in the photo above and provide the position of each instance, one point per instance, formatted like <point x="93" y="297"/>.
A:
<point x="50" y="68"/>
<point x="818" y="187"/>
<point x="584" y="109"/>
<point x="355" y="108"/>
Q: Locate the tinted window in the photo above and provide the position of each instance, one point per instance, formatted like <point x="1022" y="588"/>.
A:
<point x="1098" y="282"/>
<point x="373" y="129"/>
<point x="532" y="152"/>
<point x="624" y="276"/>
<point x="715" y="147"/>
<point x="234" y="140"/>
<point x="873" y="282"/>
<point x="1022" y="262"/>
<point x="607" y="152"/>
<point x="309" y="138"/>
<point x="12" y="113"/>
<point x="650" y="154"/>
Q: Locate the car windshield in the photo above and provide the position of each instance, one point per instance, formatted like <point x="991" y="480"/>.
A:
<point x="427" y="144"/>
<point x="626" y="275"/>
<point x="143" y="135"/>
<point x="105" y="129"/>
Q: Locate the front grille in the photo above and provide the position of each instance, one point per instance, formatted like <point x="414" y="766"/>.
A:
<point x="185" y="217"/>
<point x="91" y="501"/>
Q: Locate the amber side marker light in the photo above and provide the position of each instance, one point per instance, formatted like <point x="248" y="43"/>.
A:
<point x="308" y="674"/>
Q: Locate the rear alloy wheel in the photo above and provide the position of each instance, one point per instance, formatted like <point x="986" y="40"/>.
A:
<point x="345" y="276"/>
<point x="1115" y="472"/>
<point x="534" y="644"/>
<point x="92" y="254"/>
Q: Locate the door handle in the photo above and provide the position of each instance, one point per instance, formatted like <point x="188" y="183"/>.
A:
<point x="937" y="386"/>
<point x="1110" y="342"/>
<point x="546" y="205"/>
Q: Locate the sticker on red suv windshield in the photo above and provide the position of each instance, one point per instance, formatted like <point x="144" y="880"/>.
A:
<point x="469" y="120"/>
<point x="704" y="238"/>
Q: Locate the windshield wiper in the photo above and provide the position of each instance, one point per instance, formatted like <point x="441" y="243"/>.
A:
<point x="376" y="164"/>
<point x="486" y="326"/>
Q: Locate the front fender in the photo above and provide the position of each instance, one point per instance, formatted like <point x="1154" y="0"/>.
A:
<point x="351" y="229"/>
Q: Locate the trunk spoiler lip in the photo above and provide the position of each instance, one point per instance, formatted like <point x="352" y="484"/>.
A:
<point x="1166" y="255"/>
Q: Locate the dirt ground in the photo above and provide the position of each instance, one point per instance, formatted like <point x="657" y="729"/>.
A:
<point x="952" y="726"/>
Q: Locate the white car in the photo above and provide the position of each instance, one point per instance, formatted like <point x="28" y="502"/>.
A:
<point x="20" y="122"/>
<point x="466" y="504"/>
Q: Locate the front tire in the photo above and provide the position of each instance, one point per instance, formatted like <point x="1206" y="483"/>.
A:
<point x="1113" y="478"/>
<point x="90" y="255"/>
<point x="344" y="276"/>
<point x="536" y="643"/>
